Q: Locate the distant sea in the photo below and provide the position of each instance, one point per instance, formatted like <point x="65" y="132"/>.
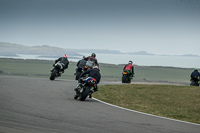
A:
<point x="141" y="60"/>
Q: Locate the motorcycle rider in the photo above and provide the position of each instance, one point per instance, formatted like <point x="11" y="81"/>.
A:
<point x="63" y="62"/>
<point x="93" y="59"/>
<point x="195" y="76"/>
<point x="94" y="73"/>
<point x="129" y="67"/>
<point x="81" y="63"/>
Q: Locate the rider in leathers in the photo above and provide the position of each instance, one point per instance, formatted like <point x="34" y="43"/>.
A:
<point x="195" y="76"/>
<point x="94" y="73"/>
<point x="64" y="62"/>
<point x="130" y="68"/>
<point x="92" y="58"/>
<point x="81" y="62"/>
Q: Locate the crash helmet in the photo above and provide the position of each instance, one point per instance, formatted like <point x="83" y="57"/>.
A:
<point x="196" y="69"/>
<point x="93" y="55"/>
<point x="96" y="67"/>
<point x="65" y="55"/>
<point x="130" y="62"/>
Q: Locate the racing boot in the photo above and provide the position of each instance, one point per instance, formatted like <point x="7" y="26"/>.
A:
<point x="79" y="85"/>
<point x="90" y="94"/>
<point x="76" y="96"/>
<point x="95" y="88"/>
<point x="51" y="70"/>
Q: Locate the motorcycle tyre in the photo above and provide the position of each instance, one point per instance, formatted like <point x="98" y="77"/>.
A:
<point x="123" y="79"/>
<point x="53" y="74"/>
<point x="193" y="83"/>
<point x="129" y="81"/>
<point x="78" y="73"/>
<point x="86" y="92"/>
<point x="126" y="79"/>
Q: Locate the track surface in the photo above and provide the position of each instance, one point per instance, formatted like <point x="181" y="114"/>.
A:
<point x="35" y="105"/>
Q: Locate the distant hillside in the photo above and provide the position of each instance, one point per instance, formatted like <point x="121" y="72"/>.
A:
<point x="140" y="53"/>
<point x="100" y="51"/>
<point x="190" y="55"/>
<point x="7" y="49"/>
<point x="11" y="49"/>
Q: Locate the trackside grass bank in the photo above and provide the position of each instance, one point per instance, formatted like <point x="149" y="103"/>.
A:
<point x="109" y="72"/>
<point x="177" y="102"/>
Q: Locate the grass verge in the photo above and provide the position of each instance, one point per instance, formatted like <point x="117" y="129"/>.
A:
<point x="177" y="102"/>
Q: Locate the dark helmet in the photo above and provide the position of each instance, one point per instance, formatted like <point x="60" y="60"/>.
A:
<point x="130" y="62"/>
<point x="93" y="55"/>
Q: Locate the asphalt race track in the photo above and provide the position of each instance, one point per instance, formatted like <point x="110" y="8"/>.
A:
<point x="37" y="105"/>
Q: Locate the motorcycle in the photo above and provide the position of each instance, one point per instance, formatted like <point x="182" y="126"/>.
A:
<point x="194" y="82"/>
<point x="56" y="71"/>
<point x="85" y="88"/>
<point x="79" y="71"/>
<point x="126" y="78"/>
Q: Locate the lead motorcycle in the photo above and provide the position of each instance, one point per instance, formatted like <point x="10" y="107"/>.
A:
<point x="85" y="88"/>
<point x="56" y="71"/>
<point x="126" y="78"/>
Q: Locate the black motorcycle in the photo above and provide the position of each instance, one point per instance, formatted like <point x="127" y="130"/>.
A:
<point x="56" y="71"/>
<point x="126" y="77"/>
<point x="85" y="88"/>
<point x="194" y="83"/>
<point x="79" y="71"/>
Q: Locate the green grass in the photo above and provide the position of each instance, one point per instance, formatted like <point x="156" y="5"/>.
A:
<point x="109" y="72"/>
<point x="177" y="102"/>
<point x="163" y="74"/>
<point x="31" y="68"/>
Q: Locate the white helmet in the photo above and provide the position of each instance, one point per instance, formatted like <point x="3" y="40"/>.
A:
<point x="130" y="62"/>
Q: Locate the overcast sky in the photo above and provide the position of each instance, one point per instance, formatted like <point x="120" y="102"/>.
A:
<point x="156" y="26"/>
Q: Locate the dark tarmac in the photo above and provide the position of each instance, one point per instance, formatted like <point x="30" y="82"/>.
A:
<point x="38" y="105"/>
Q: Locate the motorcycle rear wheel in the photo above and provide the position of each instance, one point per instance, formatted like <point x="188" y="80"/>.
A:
<point x="194" y="83"/>
<point x="78" y="73"/>
<point x="85" y="93"/>
<point x="123" y="79"/>
<point x="53" y="74"/>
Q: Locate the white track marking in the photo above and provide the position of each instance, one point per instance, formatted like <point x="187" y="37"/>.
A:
<point x="145" y="113"/>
